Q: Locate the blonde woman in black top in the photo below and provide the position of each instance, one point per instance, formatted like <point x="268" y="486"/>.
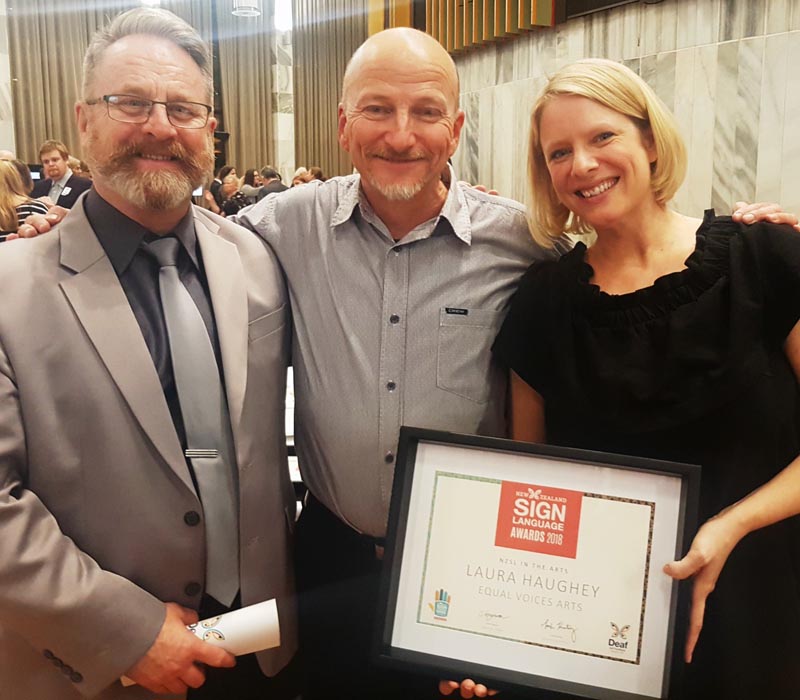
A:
<point x="673" y="338"/>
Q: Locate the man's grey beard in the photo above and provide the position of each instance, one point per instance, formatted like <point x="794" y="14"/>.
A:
<point x="157" y="191"/>
<point x="397" y="192"/>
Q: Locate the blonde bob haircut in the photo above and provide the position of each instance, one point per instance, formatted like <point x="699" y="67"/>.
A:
<point x="614" y="86"/>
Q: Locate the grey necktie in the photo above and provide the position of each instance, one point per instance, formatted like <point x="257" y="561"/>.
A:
<point x="206" y="420"/>
<point x="55" y="191"/>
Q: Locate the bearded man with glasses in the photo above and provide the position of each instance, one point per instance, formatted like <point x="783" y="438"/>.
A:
<point x="127" y="509"/>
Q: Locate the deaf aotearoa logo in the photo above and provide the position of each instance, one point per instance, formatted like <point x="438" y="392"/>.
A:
<point x="538" y="518"/>
<point x="619" y="637"/>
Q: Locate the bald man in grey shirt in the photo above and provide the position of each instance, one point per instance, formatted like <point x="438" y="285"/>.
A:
<point x="386" y="332"/>
<point x="398" y="279"/>
<point x="390" y="332"/>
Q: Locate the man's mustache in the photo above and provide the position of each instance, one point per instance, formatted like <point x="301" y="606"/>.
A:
<point x="174" y="150"/>
<point x="405" y="157"/>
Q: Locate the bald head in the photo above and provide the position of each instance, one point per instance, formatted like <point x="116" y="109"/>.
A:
<point x="401" y="47"/>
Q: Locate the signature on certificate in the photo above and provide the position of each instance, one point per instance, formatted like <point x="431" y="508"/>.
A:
<point x="492" y="618"/>
<point x="561" y="627"/>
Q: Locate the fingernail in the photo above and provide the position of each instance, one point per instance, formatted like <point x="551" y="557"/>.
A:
<point x="749" y="217"/>
<point x="773" y="217"/>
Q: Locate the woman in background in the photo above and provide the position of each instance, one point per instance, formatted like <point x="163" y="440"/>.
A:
<point x="15" y="204"/>
<point x="671" y="338"/>
<point x="251" y="184"/>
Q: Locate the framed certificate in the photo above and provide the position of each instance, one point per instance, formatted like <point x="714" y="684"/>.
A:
<point x="535" y="566"/>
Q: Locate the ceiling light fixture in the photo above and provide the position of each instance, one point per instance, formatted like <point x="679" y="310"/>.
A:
<point x="246" y="8"/>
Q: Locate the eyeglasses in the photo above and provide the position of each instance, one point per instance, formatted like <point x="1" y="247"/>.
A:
<point x="136" y="110"/>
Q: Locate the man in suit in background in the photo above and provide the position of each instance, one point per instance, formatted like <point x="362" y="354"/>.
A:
<point x="60" y="185"/>
<point x="105" y="519"/>
<point x="272" y="182"/>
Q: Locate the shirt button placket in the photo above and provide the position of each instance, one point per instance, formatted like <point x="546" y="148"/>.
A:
<point x="393" y="344"/>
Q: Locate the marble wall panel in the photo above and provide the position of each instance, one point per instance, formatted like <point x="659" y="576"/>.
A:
<point x="772" y="116"/>
<point x="283" y="102"/>
<point x="282" y="152"/>
<point x="524" y="97"/>
<point x="486" y="130"/>
<point x="686" y="20"/>
<point x="283" y="144"/>
<point x="467" y="154"/>
<point x="778" y="15"/>
<point x="282" y="49"/>
<point x="755" y="16"/>
<point x="682" y="109"/>
<point x="723" y="66"/>
<point x="464" y="62"/>
<point x="666" y="20"/>
<point x="505" y="146"/>
<point x="543" y="55"/>
<point x="790" y="184"/>
<point x="521" y="56"/>
<point x="731" y="20"/>
<point x="635" y="64"/>
<point x="722" y="191"/>
<point x="648" y="30"/>
<point x="707" y="21"/>
<point x="746" y="108"/>
<point x="504" y="61"/>
<point x="664" y="79"/>
<point x="570" y="41"/>
<point x="700" y="170"/>
<point x="628" y="18"/>
<point x="486" y="68"/>
<point x="282" y="78"/>
<point x="597" y="38"/>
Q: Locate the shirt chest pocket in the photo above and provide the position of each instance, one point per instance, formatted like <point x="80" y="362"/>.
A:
<point x="464" y="355"/>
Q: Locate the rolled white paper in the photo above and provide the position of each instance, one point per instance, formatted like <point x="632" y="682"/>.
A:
<point x="242" y="631"/>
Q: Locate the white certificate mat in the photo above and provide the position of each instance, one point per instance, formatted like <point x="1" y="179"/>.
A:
<point x="540" y="566"/>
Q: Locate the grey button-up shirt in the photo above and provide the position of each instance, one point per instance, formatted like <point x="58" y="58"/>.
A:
<point x="390" y="333"/>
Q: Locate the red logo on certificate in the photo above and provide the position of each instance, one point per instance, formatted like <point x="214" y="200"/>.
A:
<point x="538" y="519"/>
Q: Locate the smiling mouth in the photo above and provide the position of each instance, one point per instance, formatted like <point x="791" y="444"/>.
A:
<point x="391" y="158"/>
<point x="598" y="189"/>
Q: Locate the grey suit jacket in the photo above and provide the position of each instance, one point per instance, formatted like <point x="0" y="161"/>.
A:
<point x="93" y="482"/>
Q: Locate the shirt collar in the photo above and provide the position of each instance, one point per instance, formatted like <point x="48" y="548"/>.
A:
<point x="63" y="181"/>
<point x="454" y="215"/>
<point x="121" y="236"/>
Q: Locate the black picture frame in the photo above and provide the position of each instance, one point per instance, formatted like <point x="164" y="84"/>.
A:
<point x="390" y="653"/>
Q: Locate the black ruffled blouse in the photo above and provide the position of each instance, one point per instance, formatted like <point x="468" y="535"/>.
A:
<point x="691" y="369"/>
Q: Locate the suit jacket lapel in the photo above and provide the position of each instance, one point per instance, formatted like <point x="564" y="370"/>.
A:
<point x="99" y="302"/>
<point x="226" y="276"/>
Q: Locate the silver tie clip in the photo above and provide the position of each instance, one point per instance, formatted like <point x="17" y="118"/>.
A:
<point x="194" y="454"/>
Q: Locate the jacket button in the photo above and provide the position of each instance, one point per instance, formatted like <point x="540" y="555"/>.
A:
<point x="67" y="670"/>
<point x="75" y="677"/>
<point x="394" y="318"/>
<point x="192" y="588"/>
<point x="191" y="518"/>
